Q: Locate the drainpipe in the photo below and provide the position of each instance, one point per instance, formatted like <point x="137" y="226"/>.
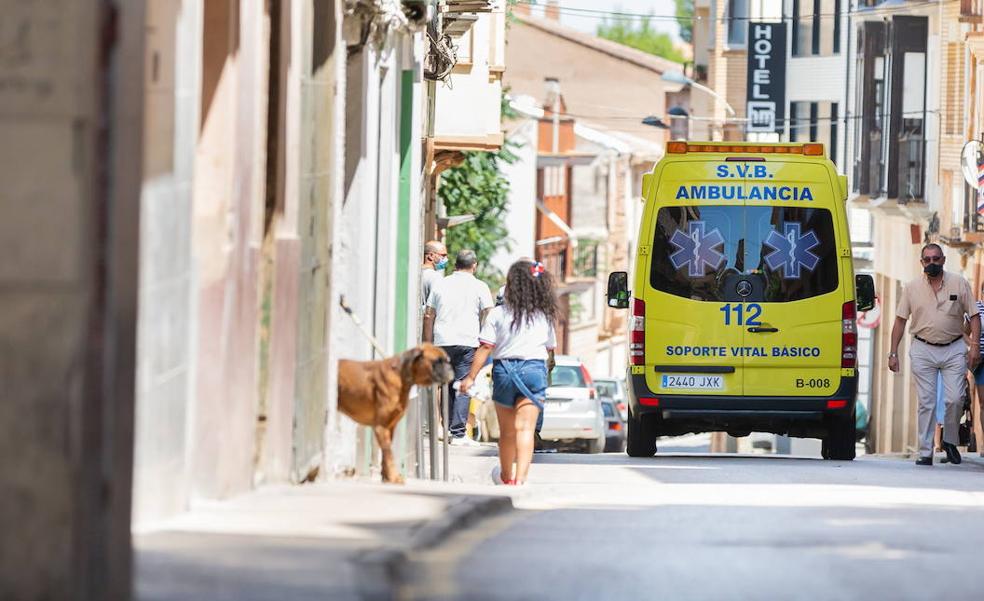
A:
<point x="553" y="87"/>
<point x="847" y="86"/>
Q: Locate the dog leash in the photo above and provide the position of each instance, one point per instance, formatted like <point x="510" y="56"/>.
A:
<point x="358" y="323"/>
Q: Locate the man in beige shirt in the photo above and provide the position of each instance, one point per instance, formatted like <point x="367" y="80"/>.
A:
<point x="938" y="303"/>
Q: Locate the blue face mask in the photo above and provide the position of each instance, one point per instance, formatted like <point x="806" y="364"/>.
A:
<point x="441" y="264"/>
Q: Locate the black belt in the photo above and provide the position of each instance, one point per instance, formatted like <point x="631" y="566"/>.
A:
<point x="939" y="343"/>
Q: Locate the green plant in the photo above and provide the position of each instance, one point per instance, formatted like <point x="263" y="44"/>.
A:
<point x="478" y="187"/>
<point x="685" y="19"/>
<point x="640" y="35"/>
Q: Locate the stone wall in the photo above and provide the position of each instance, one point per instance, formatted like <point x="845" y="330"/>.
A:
<point x="68" y="290"/>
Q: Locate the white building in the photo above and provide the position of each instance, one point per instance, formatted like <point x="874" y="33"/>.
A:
<point x="603" y="224"/>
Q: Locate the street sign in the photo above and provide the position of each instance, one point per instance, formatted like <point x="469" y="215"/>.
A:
<point x="766" y="95"/>
<point x="971" y="158"/>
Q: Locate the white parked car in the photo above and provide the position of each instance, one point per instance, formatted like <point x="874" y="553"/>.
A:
<point x="572" y="412"/>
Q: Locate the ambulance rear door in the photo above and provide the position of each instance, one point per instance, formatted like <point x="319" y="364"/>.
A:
<point x="693" y="255"/>
<point x="791" y="284"/>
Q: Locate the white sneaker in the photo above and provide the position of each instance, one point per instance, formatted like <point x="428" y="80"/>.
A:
<point x="464" y="441"/>
<point x="496" y="475"/>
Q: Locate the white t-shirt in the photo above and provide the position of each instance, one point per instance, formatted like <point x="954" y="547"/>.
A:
<point x="428" y="277"/>
<point x="458" y="301"/>
<point x="527" y="341"/>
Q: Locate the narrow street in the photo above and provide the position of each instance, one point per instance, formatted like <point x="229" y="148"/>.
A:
<point x="699" y="526"/>
<point x="260" y="257"/>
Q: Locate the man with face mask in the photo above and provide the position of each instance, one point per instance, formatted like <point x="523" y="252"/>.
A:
<point x="937" y="302"/>
<point x="435" y="260"/>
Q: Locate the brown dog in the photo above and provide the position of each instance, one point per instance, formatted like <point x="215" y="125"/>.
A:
<point x="375" y="393"/>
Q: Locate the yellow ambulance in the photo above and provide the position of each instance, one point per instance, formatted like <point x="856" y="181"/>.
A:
<point x="743" y="298"/>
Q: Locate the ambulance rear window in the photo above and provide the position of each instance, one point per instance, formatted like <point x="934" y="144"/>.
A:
<point x="744" y="253"/>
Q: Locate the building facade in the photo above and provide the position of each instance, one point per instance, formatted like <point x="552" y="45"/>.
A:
<point x="916" y="104"/>
<point x="225" y="174"/>
<point x="574" y="188"/>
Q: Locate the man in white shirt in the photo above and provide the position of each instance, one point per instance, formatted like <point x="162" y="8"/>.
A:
<point x="456" y="308"/>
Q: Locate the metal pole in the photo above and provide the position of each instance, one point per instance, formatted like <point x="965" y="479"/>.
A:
<point x="703" y="88"/>
<point x="418" y="433"/>
<point x="447" y="433"/>
<point x="432" y="396"/>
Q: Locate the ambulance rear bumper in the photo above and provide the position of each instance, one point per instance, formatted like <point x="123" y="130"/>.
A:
<point x="794" y="415"/>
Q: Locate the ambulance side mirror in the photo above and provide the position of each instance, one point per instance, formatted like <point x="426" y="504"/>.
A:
<point x="618" y="290"/>
<point x="865" y="296"/>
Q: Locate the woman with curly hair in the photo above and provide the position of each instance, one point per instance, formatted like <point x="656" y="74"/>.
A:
<point x="519" y="335"/>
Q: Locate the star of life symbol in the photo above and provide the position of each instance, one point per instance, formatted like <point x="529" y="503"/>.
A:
<point x="696" y="249"/>
<point x="792" y="251"/>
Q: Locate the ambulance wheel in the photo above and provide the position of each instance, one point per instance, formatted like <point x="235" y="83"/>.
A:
<point x="640" y="439"/>
<point x="838" y="445"/>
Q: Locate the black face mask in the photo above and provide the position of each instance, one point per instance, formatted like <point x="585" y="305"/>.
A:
<point x="933" y="269"/>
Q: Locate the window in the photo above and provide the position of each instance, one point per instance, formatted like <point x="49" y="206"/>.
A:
<point x="872" y="125"/>
<point x="787" y="254"/>
<point x="554" y="181"/>
<point x="814" y="122"/>
<point x="799" y="121"/>
<point x="802" y="27"/>
<point x="606" y="389"/>
<point x="737" y="22"/>
<point x="816" y="27"/>
<point x="568" y="376"/>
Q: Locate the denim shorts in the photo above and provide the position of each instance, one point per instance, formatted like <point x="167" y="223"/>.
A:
<point x="979" y="373"/>
<point x="532" y="375"/>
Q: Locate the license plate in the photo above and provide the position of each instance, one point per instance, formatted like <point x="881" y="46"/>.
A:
<point x="692" y="382"/>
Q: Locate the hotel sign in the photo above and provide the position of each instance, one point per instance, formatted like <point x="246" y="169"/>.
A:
<point x="766" y="96"/>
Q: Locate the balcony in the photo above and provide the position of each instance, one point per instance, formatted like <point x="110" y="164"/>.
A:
<point x="474" y="82"/>
<point x="972" y="11"/>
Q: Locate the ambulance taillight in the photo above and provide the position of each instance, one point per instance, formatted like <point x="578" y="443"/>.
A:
<point x="849" y="335"/>
<point x="637" y="333"/>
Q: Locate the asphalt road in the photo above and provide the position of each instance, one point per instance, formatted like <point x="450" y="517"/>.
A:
<point x="698" y="526"/>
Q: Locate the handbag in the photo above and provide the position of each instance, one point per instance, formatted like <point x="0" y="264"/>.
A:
<point x="965" y="430"/>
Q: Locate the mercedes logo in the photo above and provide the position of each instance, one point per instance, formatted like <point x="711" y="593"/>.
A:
<point x="744" y="288"/>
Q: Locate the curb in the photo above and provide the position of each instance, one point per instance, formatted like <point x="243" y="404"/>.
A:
<point x="386" y="566"/>
<point x="968" y="458"/>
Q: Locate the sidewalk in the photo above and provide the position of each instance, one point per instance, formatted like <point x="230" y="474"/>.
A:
<point x="338" y="540"/>
<point x="967" y="459"/>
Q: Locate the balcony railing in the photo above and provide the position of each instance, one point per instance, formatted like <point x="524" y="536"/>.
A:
<point x="912" y="169"/>
<point x="972" y="11"/>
